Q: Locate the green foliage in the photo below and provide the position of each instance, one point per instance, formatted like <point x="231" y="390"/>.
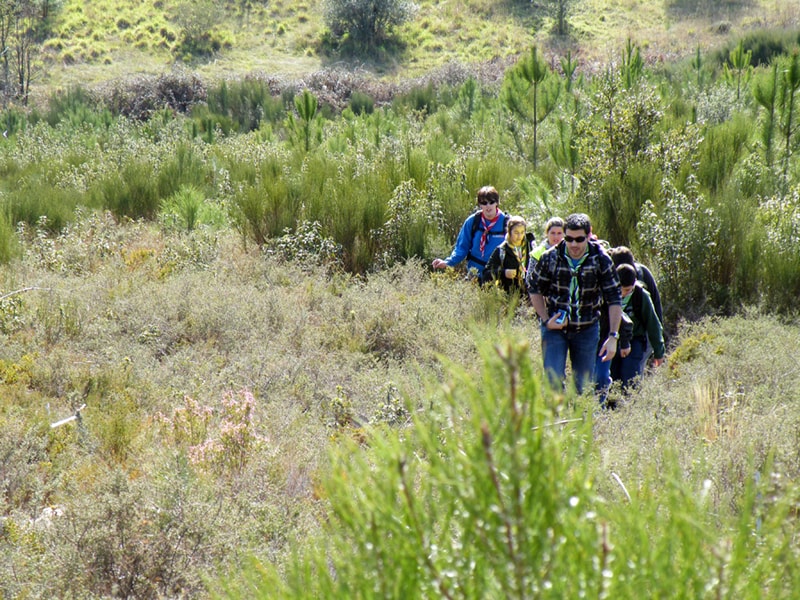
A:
<point x="740" y="69"/>
<point x="247" y="102"/>
<point x="198" y="21"/>
<point x="76" y="106"/>
<point x="618" y="173"/>
<point x="307" y="246"/>
<point x="529" y="94"/>
<point x="680" y="229"/>
<point x="764" y="46"/>
<point x="787" y="104"/>
<point x="361" y="103"/>
<point x="721" y="150"/>
<point x="184" y="208"/>
<point x="407" y="231"/>
<point x="765" y="92"/>
<point x="9" y="244"/>
<point x="498" y="490"/>
<point x="133" y="192"/>
<point x="308" y="128"/>
<point x="367" y="24"/>
<point x="420" y="99"/>
<point x="11" y="121"/>
<point x="560" y="10"/>
<point x="35" y="202"/>
<point x="780" y="218"/>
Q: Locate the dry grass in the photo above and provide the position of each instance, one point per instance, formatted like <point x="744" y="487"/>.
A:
<point x="158" y="317"/>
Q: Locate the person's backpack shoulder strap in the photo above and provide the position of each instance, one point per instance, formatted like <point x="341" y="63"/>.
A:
<point x="637" y="302"/>
<point x="476" y="223"/>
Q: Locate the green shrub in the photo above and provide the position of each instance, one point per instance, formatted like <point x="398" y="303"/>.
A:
<point x="12" y="120"/>
<point x="9" y="243"/>
<point x="38" y="203"/>
<point x="495" y="491"/>
<point x="183" y="208"/>
<point x="421" y="99"/>
<point x="184" y="167"/>
<point x="764" y="43"/>
<point x="361" y="103"/>
<point x="264" y="210"/>
<point x="132" y="193"/>
<point x="248" y="102"/>
<point x="721" y="150"/>
<point x="680" y="229"/>
<point x="779" y="217"/>
<point x="367" y="24"/>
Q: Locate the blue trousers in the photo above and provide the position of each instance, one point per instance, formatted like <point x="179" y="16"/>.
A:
<point x="581" y="346"/>
<point x="602" y="378"/>
<point x="628" y="369"/>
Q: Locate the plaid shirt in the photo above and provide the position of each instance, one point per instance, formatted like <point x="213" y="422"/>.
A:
<point x="597" y="280"/>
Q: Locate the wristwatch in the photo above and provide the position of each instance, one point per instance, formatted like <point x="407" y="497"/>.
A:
<point x="613" y="334"/>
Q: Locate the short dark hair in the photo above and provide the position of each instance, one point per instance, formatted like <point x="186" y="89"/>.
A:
<point x="578" y="221"/>
<point x="622" y="255"/>
<point x="626" y="274"/>
<point x="488" y="192"/>
<point x="553" y="222"/>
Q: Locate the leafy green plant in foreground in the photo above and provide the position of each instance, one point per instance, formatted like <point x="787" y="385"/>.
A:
<point x="492" y="494"/>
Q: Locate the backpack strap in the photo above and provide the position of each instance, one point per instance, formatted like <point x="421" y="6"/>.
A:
<point x="476" y="224"/>
<point x="637" y="302"/>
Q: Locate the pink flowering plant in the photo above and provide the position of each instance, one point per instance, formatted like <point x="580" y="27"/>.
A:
<point x="220" y="439"/>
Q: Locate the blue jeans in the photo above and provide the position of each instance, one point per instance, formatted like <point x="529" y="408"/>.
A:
<point x="628" y="369"/>
<point x="648" y="350"/>
<point x="602" y="378"/>
<point x="582" y="349"/>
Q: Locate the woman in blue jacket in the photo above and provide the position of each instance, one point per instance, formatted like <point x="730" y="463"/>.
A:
<point x="482" y="232"/>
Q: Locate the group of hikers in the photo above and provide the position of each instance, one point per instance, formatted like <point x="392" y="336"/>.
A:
<point x="595" y="303"/>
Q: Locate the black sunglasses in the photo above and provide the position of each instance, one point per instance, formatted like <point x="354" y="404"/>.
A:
<point x="486" y="202"/>
<point x="578" y="240"/>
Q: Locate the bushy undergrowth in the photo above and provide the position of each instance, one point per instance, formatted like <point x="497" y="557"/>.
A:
<point x="216" y="380"/>
<point x="396" y="181"/>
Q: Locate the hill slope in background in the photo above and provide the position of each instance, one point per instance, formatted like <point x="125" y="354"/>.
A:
<point x="107" y="40"/>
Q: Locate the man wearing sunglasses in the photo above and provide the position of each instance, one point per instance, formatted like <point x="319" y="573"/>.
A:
<point x="482" y="232"/>
<point x="567" y="287"/>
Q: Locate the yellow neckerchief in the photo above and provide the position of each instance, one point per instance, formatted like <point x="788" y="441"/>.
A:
<point x="520" y="252"/>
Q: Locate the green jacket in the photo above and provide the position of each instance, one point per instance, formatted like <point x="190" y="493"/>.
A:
<point x="639" y="307"/>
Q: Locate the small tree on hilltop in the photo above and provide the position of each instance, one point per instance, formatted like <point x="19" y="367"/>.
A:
<point x="366" y="23"/>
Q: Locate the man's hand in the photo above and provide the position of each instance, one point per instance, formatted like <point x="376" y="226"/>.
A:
<point x="552" y="322"/>
<point x="609" y="349"/>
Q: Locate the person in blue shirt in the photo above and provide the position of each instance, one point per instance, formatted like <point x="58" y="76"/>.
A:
<point x="481" y="233"/>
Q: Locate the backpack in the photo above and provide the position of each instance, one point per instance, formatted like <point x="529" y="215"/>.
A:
<point x="638" y="301"/>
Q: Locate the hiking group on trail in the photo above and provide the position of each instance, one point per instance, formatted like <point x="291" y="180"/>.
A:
<point x="595" y="304"/>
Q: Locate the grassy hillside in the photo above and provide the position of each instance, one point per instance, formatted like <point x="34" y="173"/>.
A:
<point x="110" y="39"/>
